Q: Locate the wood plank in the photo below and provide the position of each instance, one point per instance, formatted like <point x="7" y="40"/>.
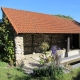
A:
<point x="70" y="59"/>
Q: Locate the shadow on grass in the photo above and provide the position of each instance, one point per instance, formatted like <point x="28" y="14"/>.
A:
<point x="22" y="78"/>
<point x="34" y="78"/>
<point x="77" y="77"/>
<point x="19" y="69"/>
<point x="16" y="77"/>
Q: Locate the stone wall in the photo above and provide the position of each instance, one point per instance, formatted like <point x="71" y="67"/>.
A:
<point x="19" y="49"/>
<point x="33" y="41"/>
<point x="29" y="43"/>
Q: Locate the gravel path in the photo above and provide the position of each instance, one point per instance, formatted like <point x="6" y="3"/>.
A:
<point x="31" y="61"/>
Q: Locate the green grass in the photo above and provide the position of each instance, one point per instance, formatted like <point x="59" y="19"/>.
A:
<point x="75" y="75"/>
<point x="3" y="64"/>
<point x="14" y="73"/>
<point x="10" y="74"/>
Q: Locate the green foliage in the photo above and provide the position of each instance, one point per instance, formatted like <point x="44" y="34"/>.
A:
<point x="15" y="73"/>
<point x="7" y="73"/>
<point x="53" y="57"/>
<point x="44" y="46"/>
<point x="63" y="16"/>
<point x="3" y="64"/>
<point x="49" y="59"/>
<point x="43" y="60"/>
<point x="49" y="71"/>
<point x="6" y="41"/>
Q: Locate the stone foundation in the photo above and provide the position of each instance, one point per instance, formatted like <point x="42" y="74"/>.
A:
<point x="19" y="49"/>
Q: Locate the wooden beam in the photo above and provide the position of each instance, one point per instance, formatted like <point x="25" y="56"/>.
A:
<point x="68" y="46"/>
<point x="70" y="59"/>
<point x="32" y="46"/>
<point x="79" y="41"/>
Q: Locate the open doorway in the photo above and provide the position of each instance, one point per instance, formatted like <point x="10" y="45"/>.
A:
<point x="75" y="41"/>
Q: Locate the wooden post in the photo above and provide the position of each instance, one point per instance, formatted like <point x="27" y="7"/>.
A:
<point x="79" y="41"/>
<point x="32" y="46"/>
<point x="68" y="46"/>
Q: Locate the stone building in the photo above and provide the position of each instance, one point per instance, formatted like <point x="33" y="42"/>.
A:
<point x="32" y="28"/>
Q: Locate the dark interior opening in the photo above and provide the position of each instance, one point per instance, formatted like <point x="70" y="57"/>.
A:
<point x="75" y="41"/>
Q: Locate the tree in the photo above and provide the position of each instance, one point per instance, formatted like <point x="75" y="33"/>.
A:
<point x="63" y="16"/>
<point x="6" y="40"/>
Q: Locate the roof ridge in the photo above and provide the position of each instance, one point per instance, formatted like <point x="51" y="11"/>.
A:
<point x="37" y="13"/>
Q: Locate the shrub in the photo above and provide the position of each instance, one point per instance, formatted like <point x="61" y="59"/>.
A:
<point x="43" y="58"/>
<point x="7" y="41"/>
<point x="56" y="55"/>
<point x="44" y="46"/>
<point x="48" y="71"/>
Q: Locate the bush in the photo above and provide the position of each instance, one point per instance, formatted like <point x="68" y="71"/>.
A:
<point x="44" y="46"/>
<point x="7" y="41"/>
<point x="48" y="71"/>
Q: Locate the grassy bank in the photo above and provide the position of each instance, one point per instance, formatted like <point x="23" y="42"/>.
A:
<point x="14" y="73"/>
<point x="11" y="73"/>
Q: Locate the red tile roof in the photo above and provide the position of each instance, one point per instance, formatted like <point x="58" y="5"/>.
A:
<point x="33" y="22"/>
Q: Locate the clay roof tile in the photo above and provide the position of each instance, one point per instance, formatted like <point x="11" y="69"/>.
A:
<point x="33" y="22"/>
